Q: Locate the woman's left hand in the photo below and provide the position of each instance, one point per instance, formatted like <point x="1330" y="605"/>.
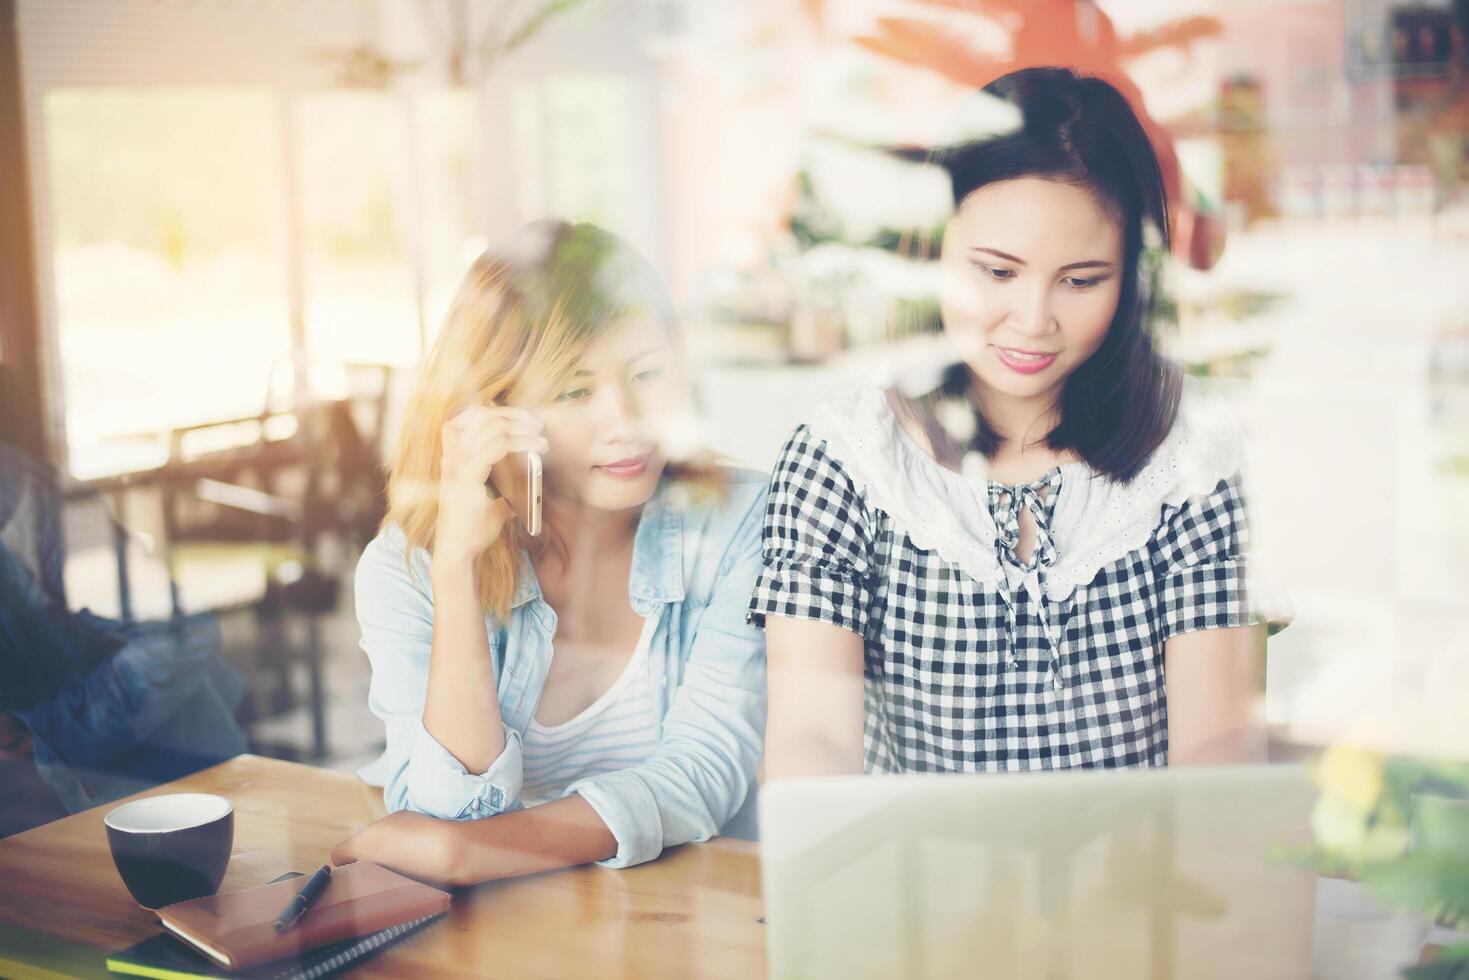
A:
<point x="413" y="844"/>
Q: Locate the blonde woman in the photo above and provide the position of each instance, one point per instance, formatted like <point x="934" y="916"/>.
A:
<point x="592" y="693"/>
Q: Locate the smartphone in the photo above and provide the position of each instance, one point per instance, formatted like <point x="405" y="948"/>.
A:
<point x="533" y="493"/>
<point x="532" y="517"/>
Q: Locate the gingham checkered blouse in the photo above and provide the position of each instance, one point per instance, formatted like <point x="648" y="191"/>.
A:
<point x="976" y="660"/>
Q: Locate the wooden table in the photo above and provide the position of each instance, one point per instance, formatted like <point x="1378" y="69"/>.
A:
<point x="695" y="912"/>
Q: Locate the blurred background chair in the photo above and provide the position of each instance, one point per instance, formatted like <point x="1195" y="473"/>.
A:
<point x="263" y="517"/>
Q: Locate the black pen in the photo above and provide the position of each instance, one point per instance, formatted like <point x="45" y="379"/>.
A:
<point x="304" y="898"/>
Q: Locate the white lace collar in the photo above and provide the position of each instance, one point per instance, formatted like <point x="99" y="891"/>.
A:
<point x="1096" y="520"/>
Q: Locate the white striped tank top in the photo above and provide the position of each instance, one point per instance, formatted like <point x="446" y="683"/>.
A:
<point x="619" y="730"/>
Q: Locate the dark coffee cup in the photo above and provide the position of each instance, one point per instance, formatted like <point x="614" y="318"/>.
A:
<point x="172" y="848"/>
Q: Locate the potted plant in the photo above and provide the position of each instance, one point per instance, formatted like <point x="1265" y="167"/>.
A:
<point x="1400" y="827"/>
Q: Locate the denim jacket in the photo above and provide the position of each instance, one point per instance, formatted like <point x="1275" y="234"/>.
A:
<point x="693" y="568"/>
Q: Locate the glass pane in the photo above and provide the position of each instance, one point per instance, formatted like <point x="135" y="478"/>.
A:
<point x="447" y="128"/>
<point x="574" y="135"/>
<point x="361" y="299"/>
<point x="170" y="299"/>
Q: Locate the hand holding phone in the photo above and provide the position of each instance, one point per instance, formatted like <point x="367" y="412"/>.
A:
<point x="475" y="442"/>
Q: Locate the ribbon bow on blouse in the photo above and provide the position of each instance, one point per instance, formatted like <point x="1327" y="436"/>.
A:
<point x="1004" y="504"/>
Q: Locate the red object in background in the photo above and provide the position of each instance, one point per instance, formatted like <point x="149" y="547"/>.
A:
<point x="1071" y="33"/>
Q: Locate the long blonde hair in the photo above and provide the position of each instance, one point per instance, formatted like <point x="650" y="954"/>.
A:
<point x="523" y="316"/>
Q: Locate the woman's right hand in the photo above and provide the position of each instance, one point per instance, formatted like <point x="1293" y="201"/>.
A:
<point x="470" y="519"/>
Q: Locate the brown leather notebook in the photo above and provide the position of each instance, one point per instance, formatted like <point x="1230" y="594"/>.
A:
<point x="237" y="929"/>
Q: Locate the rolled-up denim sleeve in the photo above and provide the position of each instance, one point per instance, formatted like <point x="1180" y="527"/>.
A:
<point x="713" y="734"/>
<point x="395" y="613"/>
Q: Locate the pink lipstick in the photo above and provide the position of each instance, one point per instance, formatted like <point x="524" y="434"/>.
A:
<point x="1024" y="361"/>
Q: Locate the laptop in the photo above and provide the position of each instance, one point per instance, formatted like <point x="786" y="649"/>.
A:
<point x="1136" y="873"/>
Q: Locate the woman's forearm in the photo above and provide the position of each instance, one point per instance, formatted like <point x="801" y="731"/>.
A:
<point x="462" y="708"/>
<point x="559" y="834"/>
<point x="799" y="750"/>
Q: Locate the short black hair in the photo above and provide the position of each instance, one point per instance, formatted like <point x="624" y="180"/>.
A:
<point x="1120" y="405"/>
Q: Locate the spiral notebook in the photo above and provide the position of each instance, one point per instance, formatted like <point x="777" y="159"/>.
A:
<point x="166" y="957"/>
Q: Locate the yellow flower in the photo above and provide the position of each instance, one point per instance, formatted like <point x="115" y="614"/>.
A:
<point x="1352" y="775"/>
<point x="1337" y="827"/>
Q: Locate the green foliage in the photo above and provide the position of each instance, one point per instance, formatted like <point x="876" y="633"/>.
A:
<point x="812" y="223"/>
<point x="911" y="316"/>
<point x="1420" y="881"/>
<point x="1399" y="825"/>
<point x="1452" y="964"/>
<point x="1245" y="304"/>
<point x="536" y="21"/>
<point x="1153" y="270"/>
<point x="920" y="242"/>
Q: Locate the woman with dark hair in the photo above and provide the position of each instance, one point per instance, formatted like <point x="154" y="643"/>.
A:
<point x="1037" y="561"/>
